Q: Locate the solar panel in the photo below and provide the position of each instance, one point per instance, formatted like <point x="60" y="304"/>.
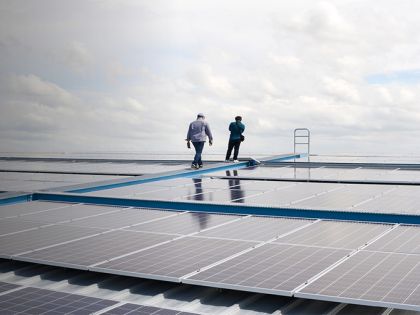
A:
<point x="29" y="207"/>
<point x="271" y="268"/>
<point x="4" y="287"/>
<point x="332" y="201"/>
<point x="40" y="301"/>
<point x="135" y="309"/>
<point x="392" y="204"/>
<point x="186" y="223"/>
<point x="72" y="213"/>
<point x="402" y="239"/>
<point x="403" y="191"/>
<point x="371" y="278"/>
<point x="218" y="183"/>
<point x="225" y="195"/>
<point x="262" y="185"/>
<point x="176" y="192"/>
<point x="96" y="249"/>
<point x="339" y="234"/>
<point x="175" y="182"/>
<point x="256" y="228"/>
<point x="277" y="197"/>
<point x="12" y="226"/>
<point x="363" y="190"/>
<point x="14" y="244"/>
<point x="126" y="191"/>
<point x="124" y="218"/>
<point x="173" y="260"/>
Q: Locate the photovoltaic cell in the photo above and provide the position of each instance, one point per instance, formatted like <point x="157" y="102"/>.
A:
<point x="124" y="218"/>
<point x="402" y="239"/>
<point x="256" y="228"/>
<point x="70" y="213"/>
<point x="135" y="309"/>
<point x="97" y="249"/>
<point x="29" y="207"/>
<point x="387" y="279"/>
<point x="46" y="302"/>
<point x="271" y="268"/>
<point x="173" y="260"/>
<point x="12" y="226"/>
<point x="14" y="244"/>
<point x="339" y="234"/>
<point x="186" y="223"/>
<point x="4" y="287"/>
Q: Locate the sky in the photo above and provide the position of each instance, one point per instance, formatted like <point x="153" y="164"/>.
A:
<point x="130" y="75"/>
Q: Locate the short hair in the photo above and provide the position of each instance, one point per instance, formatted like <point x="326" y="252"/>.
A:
<point x="238" y="118"/>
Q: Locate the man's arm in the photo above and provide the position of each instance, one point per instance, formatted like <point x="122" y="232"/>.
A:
<point x="208" y="133"/>
<point x="189" y="137"/>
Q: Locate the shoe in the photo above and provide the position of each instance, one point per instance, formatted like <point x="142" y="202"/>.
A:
<point x="226" y="161"/>
<point x="235" y="161"/>
<point x="193" y="166"/>
<point x="200" y="166"/>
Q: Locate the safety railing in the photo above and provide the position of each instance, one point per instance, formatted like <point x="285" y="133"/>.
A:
<point x="298" y="135"/>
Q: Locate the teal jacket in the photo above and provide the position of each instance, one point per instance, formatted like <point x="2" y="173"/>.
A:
<point x="234" y="132"/>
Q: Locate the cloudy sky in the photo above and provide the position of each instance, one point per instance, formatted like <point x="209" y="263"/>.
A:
<point x="130" y="75"/>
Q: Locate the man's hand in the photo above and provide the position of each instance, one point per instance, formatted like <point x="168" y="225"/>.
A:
<point x="188" y="144"/>
<point x="210" y="142"/>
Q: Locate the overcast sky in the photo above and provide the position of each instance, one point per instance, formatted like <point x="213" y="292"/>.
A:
<point x="130" y="75"/>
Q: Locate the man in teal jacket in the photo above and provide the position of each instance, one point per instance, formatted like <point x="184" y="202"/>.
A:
<point x="236" y="129"/>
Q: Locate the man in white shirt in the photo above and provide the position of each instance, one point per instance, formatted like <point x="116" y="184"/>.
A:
<point x="197" y="134"/>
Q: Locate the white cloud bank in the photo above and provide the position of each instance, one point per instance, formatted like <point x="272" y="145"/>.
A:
<point x="131" y="75"/>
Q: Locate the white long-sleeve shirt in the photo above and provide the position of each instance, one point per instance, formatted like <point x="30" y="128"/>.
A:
<point x="198" y="131"/>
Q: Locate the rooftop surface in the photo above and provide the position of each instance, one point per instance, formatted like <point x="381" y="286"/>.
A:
<point x="143" y="232"/>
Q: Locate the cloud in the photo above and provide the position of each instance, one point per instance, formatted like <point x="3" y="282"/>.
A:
<point x="74" y="56"/>
<point x="131" y="75"/>
<point x="114" y="70"/>
<point x="33" y="88"/>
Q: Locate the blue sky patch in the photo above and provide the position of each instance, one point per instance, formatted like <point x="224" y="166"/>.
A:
<point x="406" y="76"/>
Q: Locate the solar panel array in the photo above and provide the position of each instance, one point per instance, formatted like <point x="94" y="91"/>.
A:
<point x="252" y="253"/>
<point x="373" y="264"/>
<point x="40" y="301"/>
<point x="26" y="300"/>
<point x="344" y="197"/>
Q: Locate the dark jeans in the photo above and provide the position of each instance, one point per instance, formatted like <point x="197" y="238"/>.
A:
<point x="233" y="143"/>
<point x="198" y="150"/>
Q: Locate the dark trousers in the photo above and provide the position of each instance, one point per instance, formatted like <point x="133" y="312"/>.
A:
<point x="233" y="144"/>
<point x="198" y="150"/>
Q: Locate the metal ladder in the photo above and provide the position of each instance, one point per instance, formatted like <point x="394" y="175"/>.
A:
<point x="308" y="134"/>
